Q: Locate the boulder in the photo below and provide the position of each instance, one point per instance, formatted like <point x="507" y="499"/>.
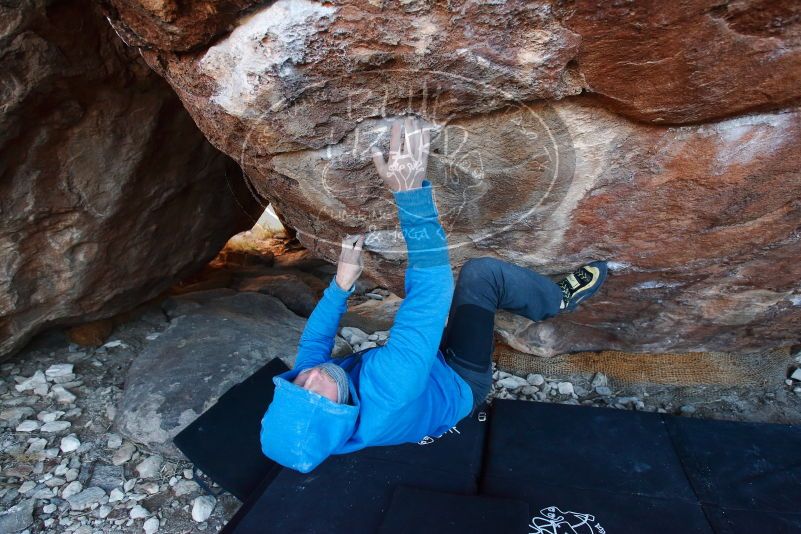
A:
<point x="101" y="169"/>
<point x="683" y="62"/>
<point x="372" y="315"/>
<point x="173" y="24"/>
<point x="664" y="139"/>
<point x="216" y="339"/>
<point x="297" y="290"/>
<point x="698" y="223"/>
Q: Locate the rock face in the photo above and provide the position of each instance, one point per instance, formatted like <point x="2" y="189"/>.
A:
<point x="217" y="339"/>
<point x="679" y="62"/>
<point x="173" y="24"/>
<point x="664" y="139"/>
<point x="107" y="189"/>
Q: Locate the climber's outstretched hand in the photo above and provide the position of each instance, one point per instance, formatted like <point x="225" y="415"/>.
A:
<point x="406" y="167"/>
<point x="349" y="267"/>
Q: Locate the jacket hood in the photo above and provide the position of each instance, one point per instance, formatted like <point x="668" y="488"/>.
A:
<point x="301" y="429"/>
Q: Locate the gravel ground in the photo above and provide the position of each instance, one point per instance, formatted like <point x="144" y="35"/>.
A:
<point x="776" y="403"/>
<point x="78" y="475"/>
<point x="65" y="470"/>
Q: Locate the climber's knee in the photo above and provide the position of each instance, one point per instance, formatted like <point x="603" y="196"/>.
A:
<point x="478" y="271"/>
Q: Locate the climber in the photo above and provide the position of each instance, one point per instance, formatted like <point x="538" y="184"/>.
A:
<point x="426" y="377"/>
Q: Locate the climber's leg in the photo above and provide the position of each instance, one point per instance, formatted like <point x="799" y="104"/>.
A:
<point x="494" y="284"/>
<point x="485" y="285"/>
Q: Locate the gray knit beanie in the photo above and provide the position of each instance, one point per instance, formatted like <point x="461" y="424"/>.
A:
<point x="340" y="377"/>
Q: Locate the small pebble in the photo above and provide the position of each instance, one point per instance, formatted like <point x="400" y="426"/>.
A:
<point x="70" y="443"/>
<point x="114" y="441"/>
<point x="512" y="382"/>
<point x="62" y="395"/>
<point x="138" y="512"/>
<point x="123" y="454"/>
<point x="35" y="383"/>
<point x="535" y="379"/>
<point x="151" y="525"/>
<point x="58" y="370"/>
<point x="73" y="488"/>
<point x="202" y="507"/>
<point x="599" y="379"/>
<point x="150" y="467"/>
<point x="185" y="487"/>
<point x="565" y="388"/>
<point x="56" y="426"/>
<point x="28" y="425"/>
<point x="49" y="417"/>
<point x="151" y="488"/>
<point x="103" y="511"/>
<point x="87" y="499"/>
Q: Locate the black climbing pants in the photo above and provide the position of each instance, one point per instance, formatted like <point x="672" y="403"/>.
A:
<point x="484" y="286"/>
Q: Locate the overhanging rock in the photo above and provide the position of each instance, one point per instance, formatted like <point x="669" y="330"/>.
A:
<point x="663" y="140"/>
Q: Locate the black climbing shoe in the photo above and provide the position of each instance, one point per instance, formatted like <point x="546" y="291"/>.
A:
<point x="580" y="284"/>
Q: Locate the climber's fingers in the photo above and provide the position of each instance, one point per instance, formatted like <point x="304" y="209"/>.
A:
<point x="425" y="144"/>
<point x="395" y="140"/>
<point x="380" y="164"/>
<point x="412" y="137"/>
<point x="352" y="246"/>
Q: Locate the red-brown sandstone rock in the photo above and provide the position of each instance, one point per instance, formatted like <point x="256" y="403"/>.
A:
<point x="700" y="221"/>
<point x="173" y="24"/>
<point x="674" y="62"/>
<point x="108" y="191"/>
<point x="688" y="61"/>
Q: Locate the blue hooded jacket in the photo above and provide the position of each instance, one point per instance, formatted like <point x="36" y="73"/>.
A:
<point x="400" y="392"/>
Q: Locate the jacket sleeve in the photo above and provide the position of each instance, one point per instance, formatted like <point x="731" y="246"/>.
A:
<point x="317" y="340"/>
<point x="400" y="369"/>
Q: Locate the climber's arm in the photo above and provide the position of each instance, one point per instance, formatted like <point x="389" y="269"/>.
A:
<point x="317" y="340"/>
<point x="399" y="370"/>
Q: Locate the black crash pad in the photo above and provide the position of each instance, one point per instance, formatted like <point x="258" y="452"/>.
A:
<point x="458" y="450"/>
<point x="350" y="493"/>
<point x="579" y="470"/>
<point x="558" y="509"/>
<point x="744" y="466"/>
<point x="730" y="521"/>
<point x="583" y="448"/>
<point x="223" y="441"/>
<point x="425" y="511"/>
<point x="343" y="494"/>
